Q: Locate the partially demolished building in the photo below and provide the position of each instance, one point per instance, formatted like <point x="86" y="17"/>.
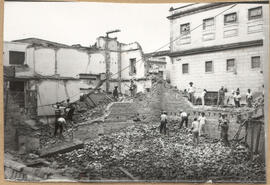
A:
<point x="48" y="72"/>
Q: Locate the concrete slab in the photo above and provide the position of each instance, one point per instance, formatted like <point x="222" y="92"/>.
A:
<point x="62" y="148"/>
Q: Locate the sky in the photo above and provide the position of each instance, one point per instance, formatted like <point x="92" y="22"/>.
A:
<point x="82" y="22"/>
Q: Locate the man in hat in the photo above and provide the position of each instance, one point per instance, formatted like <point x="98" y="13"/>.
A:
<point x="224" y="125"/>
<point x="184" y="119"/>
<point x="221" y="96"/>
<point x="191" y="92"/>
<point x="163" y="122"/>
<point x="58" y="110"/>
<point x="115" y="93"/>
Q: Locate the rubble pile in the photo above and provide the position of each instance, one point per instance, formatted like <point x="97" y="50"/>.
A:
<point x="147" y="155"/>
<point x="90" y="114"/>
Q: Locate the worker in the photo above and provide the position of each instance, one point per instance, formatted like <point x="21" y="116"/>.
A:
<point x="203" y="97"/>
<point x="191" y="92"/>
<point x="163" y="122"/>
<point x="249" y="98"/>
<point x="195" y="131"/>
<point x="131" y="87"/>
<point x="115" y="93"/>
<point x="184" y="119"/>
<point x="70" y="112"/>
<point x="224" y="125"/>
<point x="237" y="98"/>
<point x="221" y="96"/>
<point x="61" y="122"/>
<point x="58" y="113"/>
<point x="202" y="121"/>
<point x="219" y="120"/>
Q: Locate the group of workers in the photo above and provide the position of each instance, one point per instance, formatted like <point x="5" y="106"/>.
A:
<point x="63" y="112"/>
<point x="198" y="125"/>
<point x="132" y="89"/>
<point x="235" y="95"/>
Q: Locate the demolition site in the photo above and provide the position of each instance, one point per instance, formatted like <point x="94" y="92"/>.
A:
<point x="110" y="112"/>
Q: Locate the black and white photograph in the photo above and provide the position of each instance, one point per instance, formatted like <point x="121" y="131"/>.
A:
<point x="135" y="92"/>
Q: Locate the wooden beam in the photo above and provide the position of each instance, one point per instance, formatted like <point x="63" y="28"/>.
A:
<point x="128" y="174"/>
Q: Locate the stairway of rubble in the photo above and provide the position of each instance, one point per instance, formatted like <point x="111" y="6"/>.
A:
<point x="147" y="105"/>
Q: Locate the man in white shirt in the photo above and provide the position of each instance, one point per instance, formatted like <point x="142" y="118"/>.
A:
<point x="203" y="97"/>
<point x="163" y="122"/>
<point x="237" y="99"/>
<point x="61" y="122"/>
<point x="195" y="127"/>
<point x="191" y="91"/>
<point x="184" y="119"/>
<point x="202" y="121"/>
<point x="249" y="98"/>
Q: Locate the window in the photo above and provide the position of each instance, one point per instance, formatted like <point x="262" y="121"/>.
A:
<point x="255" y="62"/>
<point x="16" y="57"/>
<point x="208" y="66"/>
<point x="16" y="86"/>
<point x="230" y="18"/>
<point x="185" y="29"/>
<point x="208" y="23"/>
<point x="255" y="13"/>
<point x="185" y="68"/>
<point x="132" y="66"/>
<point x="230" y="64"/>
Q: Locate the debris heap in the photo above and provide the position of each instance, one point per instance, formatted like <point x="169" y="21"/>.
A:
<point x="139" y="151"/>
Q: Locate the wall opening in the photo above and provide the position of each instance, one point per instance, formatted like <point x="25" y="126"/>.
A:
<point x="16" y="57"/>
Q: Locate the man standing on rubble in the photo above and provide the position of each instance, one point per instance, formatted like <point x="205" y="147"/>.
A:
<point x="249" y="98"/>
<point x="195" y="126"/>
<point x="163" y="122"/>
<point x="224" y="125"/>
<point x="131" y="88"/>
<point x="191" y="92"/>
<point x="237" y="98"/>
<point x="58" y="113"/>
<point x="221" y="96"/>
<point x="69" y="110"/>
<point x="184" y="119"/>
<point x="115" y="93"/>
<point x="202" y="121"/>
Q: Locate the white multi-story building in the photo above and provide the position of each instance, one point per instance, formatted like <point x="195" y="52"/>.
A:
<point x="219" y="44"/>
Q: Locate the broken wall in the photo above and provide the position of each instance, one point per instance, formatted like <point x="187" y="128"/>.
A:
<point x="131" y="51"/>
<point x="52" y="91"/>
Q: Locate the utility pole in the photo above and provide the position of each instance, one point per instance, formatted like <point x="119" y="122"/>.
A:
<point x="107" y="58"/>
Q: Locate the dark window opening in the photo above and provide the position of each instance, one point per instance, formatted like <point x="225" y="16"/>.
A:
<point x="230" y="64"/>
<point x="209" y="66"/>
<point x="255" y="62"/>
<point x="230" y="18"/>
<point x="185" y="29"/>
<point x="16" y="57"/>
<point x="16" y="86"/>
<point x="255" y="13"/>
<point x="132" y="66"/>
<point x="184" y="68"/>
<point x="208" y="23"/>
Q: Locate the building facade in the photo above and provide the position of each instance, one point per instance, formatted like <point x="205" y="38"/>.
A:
<point x="219" y="44"/>
<point x="47" y="72"/>
<point x="159" y="63"/>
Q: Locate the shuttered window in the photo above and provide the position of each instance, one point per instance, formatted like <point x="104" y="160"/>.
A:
<point x="184" y="68"/>
<point x="230" y="64"/>
<point x="208" y="66"/>
<point x="208" y="24"/>
<point x="185" y="29"/>
<point x="255" y="13"/>
<point x="255" y="62"/>
<point x="230" y="18"/>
